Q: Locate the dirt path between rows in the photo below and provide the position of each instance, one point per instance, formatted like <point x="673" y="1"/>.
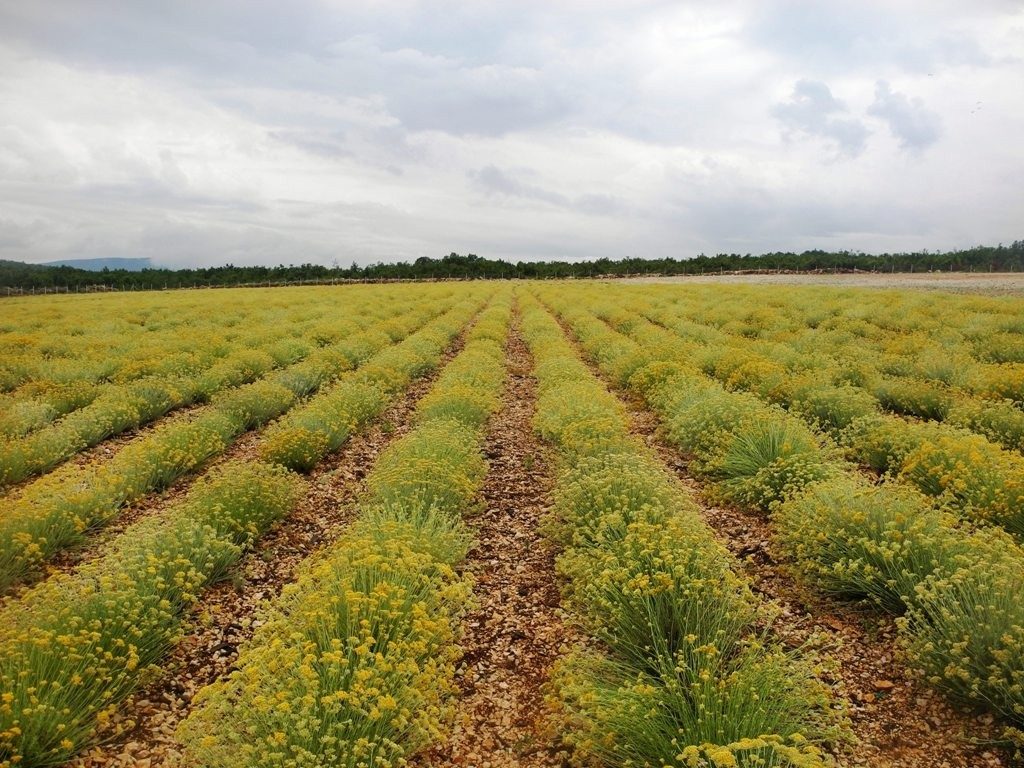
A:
<point x="897" y="721"/>
<point x="516" y="630"/>
<point x="229" y="612"/>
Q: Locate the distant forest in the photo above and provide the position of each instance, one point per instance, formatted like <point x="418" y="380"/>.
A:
<point x="18" y="275"/>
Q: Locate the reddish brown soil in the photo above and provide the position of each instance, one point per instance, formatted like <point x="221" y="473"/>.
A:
<point x="516" y="630"/>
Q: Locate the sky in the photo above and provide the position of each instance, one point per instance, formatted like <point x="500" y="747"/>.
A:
<point x="202" y="133"/>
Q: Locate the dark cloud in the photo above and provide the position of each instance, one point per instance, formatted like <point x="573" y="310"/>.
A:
<point x="493" y="181"/>
<point x="915" y="126"/>
<point x="814" y="111"/>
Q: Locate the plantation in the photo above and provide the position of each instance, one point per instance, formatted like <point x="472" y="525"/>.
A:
<point x="536" y="524"/>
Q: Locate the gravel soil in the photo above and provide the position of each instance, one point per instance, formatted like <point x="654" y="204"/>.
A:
<point x="516" y="630"/>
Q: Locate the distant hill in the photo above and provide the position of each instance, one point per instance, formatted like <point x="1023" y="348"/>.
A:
<point x="98" y="265"/>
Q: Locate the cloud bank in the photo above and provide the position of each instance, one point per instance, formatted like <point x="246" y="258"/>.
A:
<point x="259" y="133"/>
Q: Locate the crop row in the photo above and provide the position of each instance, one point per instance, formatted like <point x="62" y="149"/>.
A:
<point x="952" y="584"/>
<point x="962" y="471"/>
<point x="683" y="677"/>
<point x="78" y="644"/>
<point x="76" y="354"/>
<point x="907" y="333"/>
<point x="84" y="343"/>
<point x="56" y="511"/>
<point x="128" y="405"/>
<point x="942" y="385"/>
<point x="355" y="663"/>
<point x="72" y="648"/>
<point x="192" y="373"/>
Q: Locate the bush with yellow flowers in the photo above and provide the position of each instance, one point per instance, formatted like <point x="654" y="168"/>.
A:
<point x="964" y="472"/>
<point x="58" y="509"/>
<point x="1001" y="382"/>
<point x="680" y="670"/>
<point x="73" y="647"/>
<point x="965" y="632"/>
<point x="1001" y="421"/>
<point x="355" y="664"/>
<point x="913" y="398"/>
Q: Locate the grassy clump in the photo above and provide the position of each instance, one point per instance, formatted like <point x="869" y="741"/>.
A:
<point x="72" y="648"/>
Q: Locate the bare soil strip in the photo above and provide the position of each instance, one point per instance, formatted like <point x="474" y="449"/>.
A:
<point x="229" y="611"/>
<point x="516" y="630"/>
<point x="898" y="721"/>
<point x="993" y="283"/>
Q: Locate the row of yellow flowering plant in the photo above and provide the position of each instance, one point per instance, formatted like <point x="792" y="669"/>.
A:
<point x="965" y="472"/>
<point x="74" y="646"/>
<point x="57" y="510"/>
<point x="681" y="676"/>
<point x="953" y="583"/>
<point x="301" y="438"/>
<point x="837" y="377"/>
<point x="128" y="405"/>
<point x="117" y="348"/>
<point x="355" y="663"/>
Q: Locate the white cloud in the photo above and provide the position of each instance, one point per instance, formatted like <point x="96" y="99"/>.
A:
<point x="910" y="121"/>
<point x="198" y="134"/>
<point x="813" y="110"/>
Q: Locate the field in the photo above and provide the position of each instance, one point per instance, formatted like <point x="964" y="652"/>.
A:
<point x="689" y="524"/>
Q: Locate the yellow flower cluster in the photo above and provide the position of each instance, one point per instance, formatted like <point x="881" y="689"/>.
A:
<point x="73" y="647"/>
<point x="305" y="435"/>
<point x="355" y="663"/>
<point x="962" y="471"/>
<point x="682" y="671"/>
<point x="891" y="543"/>
<point x="56" y="510"/>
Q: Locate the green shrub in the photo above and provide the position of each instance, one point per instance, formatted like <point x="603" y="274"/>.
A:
<point x="763" y="462"/>
<point x="914" y="398"/>
<point x="1001" y="421"/>
<point x="833" y="408"/>
<point x="703" y="714"/>
<point x="857" y="541"/>
<point x="965" y="631"/>
<point x="970" y="474"/>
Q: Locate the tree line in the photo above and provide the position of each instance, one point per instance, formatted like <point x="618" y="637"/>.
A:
<point x="1000" y="258"/>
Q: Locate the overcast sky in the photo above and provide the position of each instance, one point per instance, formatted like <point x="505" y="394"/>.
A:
<point x="199" y="133"/>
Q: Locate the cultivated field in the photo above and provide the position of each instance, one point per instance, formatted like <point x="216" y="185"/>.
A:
<point x="993" y="283"/>
<point x="686" y="524"/>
